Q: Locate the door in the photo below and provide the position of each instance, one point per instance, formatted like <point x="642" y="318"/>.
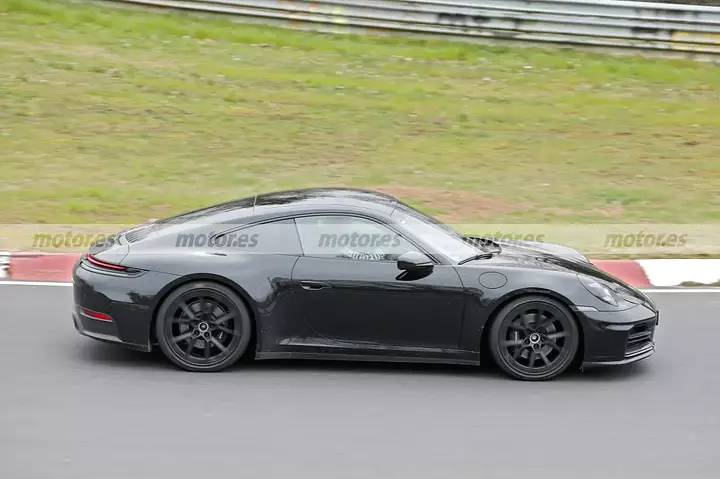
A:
<point x="350" y="289"/>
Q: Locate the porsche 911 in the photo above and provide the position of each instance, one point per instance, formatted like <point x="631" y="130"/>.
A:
<point x="347" y="274"/>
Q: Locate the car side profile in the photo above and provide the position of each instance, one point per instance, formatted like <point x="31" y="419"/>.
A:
<point x="335" y="273"/>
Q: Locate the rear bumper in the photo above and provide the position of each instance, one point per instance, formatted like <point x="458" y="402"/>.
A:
<point x="619" y="337"/>
<point x="104" y="332"/>
<point x="126" y="302"/>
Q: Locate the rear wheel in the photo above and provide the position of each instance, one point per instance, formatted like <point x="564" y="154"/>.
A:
<point x="534" y="338"/>
<point x="203" y="326"/>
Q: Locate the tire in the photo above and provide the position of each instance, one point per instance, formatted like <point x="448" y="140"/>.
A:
<point x="203" y="327"/>
<point x="534" y="338"/>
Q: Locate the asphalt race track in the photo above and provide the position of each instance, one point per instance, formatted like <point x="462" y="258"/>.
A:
<point x="72" y="408"/>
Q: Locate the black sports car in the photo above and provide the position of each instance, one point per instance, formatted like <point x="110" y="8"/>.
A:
<point x="356" y="275"/>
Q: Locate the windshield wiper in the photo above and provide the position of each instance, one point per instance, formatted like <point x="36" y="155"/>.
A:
<point x="486" y="255"/>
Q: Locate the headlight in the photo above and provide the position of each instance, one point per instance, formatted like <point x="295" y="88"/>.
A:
<point x="598" y="290"/>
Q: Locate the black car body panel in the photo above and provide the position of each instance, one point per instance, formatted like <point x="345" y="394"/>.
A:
<point x="320" y="307"/>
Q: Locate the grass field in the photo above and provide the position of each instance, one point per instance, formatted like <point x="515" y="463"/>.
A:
<point x="118" y="115"/>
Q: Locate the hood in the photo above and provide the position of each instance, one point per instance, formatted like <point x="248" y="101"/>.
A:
<point x="533" y="247"/>
<point x="541" y="255"/>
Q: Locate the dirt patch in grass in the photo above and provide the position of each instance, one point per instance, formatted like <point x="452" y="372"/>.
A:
<point x="450" y="206"/>
<point x="609" y="211"/>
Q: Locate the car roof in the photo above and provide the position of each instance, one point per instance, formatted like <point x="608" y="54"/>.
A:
<point x="319" y="197"/>
<point x="280" y="203"/>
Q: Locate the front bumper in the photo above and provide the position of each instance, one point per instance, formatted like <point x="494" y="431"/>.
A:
<point x="618" y="337"/>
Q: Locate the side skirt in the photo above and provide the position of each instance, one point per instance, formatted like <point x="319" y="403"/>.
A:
<point x="327" y="356"/>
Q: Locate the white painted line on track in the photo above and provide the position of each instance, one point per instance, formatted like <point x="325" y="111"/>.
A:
<point x="34" y="283"/>
<point x="681" y="290"/>
<point x="644" y="290"/>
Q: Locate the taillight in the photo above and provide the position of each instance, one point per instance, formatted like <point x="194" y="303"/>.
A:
<point x="95" y="315"/>
<point x="103" y="264"/>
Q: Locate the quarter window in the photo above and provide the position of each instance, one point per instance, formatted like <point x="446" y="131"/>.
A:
<point x="276" y="237"/>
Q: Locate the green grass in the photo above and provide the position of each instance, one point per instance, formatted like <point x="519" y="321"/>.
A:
<point x="694" y="283"/>
<point x="118" y="115"/>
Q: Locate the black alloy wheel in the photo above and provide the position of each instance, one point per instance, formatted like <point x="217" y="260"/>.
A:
<point x="203" y="326"/>
<point x="534" y="338"/>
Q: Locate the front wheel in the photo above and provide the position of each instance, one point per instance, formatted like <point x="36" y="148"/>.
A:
<point x="203" y="326"/>
<point x="534" y="338"/>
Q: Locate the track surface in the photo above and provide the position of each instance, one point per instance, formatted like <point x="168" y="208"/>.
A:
<point x="74" y="408"/>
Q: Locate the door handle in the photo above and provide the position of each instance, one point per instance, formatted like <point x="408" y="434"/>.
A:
<point x="314" y="285"/>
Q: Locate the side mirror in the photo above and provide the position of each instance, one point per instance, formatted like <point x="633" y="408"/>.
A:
<point x="414" y="261"/>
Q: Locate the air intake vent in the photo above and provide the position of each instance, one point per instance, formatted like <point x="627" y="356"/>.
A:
<point x="640" y="338"/>
<point x="136" y="235"/>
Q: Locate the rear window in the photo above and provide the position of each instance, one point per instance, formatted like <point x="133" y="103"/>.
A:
<point x="198" y="215"/>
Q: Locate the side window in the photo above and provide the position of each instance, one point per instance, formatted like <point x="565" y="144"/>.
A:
<point x="277" y="237"/>
<point x="350" y="237"/>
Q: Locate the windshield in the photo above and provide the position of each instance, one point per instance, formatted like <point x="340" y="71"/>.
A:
<point x="440" y="237"/>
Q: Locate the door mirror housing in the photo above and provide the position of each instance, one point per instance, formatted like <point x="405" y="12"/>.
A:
<point x="414" y="261"/>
